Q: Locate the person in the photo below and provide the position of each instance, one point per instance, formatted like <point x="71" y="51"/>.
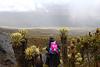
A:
<point x="53" y="55"/>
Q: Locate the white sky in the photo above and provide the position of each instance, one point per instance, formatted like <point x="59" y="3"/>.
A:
<point x="26" y="5"/>
<point x="16" y="5"/>
<point x="33" y="5"/>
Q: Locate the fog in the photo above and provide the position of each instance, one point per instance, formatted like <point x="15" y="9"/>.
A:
<point x="50" y="13"/>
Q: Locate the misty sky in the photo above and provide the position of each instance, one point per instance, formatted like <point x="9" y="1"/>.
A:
<point x="50" y="13"/>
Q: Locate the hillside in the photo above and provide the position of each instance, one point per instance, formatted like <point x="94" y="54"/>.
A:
<point x="48" y="31"/>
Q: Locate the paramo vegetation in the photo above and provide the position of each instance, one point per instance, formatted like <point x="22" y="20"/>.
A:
<point x="77" y="51"/>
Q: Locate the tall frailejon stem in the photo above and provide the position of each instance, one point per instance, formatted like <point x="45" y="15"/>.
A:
<point x="63" y="37"/>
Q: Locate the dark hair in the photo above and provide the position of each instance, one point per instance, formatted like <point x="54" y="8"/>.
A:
<point x="51" y="39"/>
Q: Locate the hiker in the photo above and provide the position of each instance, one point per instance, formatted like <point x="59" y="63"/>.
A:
<point x="53" y="55"/>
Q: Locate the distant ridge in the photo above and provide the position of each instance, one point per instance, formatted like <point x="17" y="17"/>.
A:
<point x="46" y="31"/>
<point x="57" y="28"/>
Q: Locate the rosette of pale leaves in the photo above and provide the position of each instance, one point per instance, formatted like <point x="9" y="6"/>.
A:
<point x="23" y="32"/>
<point x="16" y="38"/>
<point x="69" y="55"/>
<point x="31" y="52"/>
<point x="63" y="30"/>
<point x="78" y="58"/>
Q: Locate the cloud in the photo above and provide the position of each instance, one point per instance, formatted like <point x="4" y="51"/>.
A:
<point x="17" y="5"/>
<point x="27" y="5"/>
<point x="50" y="13"/>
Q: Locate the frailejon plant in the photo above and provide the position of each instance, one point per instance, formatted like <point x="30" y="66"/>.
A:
<point x="19" y="44"/>
<point x="90" y="45"/>
<point x="63" y="35"/>
<point x="31" y="52"/>
<point x="74" y="57"/>
<point x="33" y="56"/>
<point x="63" y="38"/>
<point x="78" y="58"/>
<point x="18" y="37"/>
<point x="23" y="32"/>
